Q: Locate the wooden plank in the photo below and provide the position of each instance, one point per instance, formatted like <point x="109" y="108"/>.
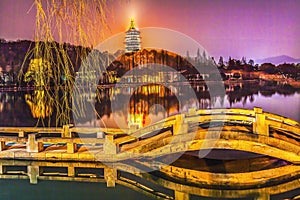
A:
<point x="279" y="125"/>
<point x="274" y="117"/>
<point x="219" y="117"/>
<point x="225" y="111"/>
<point x="146" y="141"/>
<point x="125" y="139"/>
<point x="149" y="129"/>
<point x="72" y="140"/>
<point x="89" y="130"/>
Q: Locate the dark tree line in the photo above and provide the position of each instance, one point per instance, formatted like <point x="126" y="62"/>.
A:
<point x="13" y="55"/>
<point x="289" y="70"/>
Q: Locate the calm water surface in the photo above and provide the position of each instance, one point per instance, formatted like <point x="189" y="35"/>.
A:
<point x="146" y="105"/>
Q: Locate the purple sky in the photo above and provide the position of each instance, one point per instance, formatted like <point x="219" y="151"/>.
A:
<point x="251" y="28"/>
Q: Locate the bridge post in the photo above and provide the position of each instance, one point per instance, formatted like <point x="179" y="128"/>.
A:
<point x="2" y="145"/>
<point x="181" y="195"/>
<point x="260" y="125"/>
<point x="21" y="134"/>
<point x="71" y="171"/>
<point x="33" y="173"/>
<point x="66" y="132"/>
<point x="71" y="147"/>
<point x="109" y="147"/>
<point x="110" y="175"/>
<point x="32" y="145"/>
<point x="2" y="169"/>
<point x="179" y="126"/>
<point x="100" y="135"/>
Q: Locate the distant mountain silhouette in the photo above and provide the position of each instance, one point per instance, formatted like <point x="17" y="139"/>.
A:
<point x="278" y="60"/>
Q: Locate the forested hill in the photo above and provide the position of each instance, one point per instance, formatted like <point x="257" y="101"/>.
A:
<point x="14" y="53"/>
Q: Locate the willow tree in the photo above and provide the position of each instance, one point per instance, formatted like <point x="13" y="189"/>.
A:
<point x="80" y="22"/>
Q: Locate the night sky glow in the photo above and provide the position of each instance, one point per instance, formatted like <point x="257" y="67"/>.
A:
<point x="251" y="28"/>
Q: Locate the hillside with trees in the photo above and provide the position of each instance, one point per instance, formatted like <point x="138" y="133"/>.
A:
<point x="15" y="60"/>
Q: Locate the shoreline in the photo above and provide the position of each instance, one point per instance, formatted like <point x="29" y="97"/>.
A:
<point x="293" y="83"/>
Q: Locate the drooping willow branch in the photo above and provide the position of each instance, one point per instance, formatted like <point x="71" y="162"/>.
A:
<point x="53" y="61"/>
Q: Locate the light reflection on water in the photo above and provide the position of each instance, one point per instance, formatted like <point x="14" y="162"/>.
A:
<point x="147" y="104"/>
<point x="88" y="181"/>
<point x="288" y="106"/>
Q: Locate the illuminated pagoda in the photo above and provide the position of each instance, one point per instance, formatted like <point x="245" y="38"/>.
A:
<point x="132" y="39"/>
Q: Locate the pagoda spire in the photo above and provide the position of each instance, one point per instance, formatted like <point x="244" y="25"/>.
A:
<point x="132" y="24"/>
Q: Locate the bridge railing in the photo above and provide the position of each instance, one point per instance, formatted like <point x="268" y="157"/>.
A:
<point x="36" y="137"/>
<point x="260" y="121"/>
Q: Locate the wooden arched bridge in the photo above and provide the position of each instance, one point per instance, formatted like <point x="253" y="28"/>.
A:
<point x="252" y="131"/>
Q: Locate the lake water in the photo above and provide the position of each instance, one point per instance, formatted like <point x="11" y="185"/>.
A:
<point x="122" y="106"/>
<point x="119" y="107"/>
